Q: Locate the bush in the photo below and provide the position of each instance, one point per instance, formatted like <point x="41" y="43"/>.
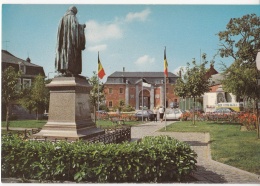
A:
<point x="154" y="159"/>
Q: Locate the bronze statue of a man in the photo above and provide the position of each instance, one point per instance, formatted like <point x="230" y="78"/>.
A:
<point x="70" y="42"/>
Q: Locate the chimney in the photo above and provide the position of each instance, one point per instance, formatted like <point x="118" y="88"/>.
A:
<point x="28" y="60"/>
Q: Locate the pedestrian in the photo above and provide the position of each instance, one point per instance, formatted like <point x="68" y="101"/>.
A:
<point x="161" y="112"/>
<point x="155" y="111"/>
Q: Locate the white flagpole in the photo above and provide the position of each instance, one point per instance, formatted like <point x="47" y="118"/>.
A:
<point x="165" y="89"/>
<point x="98" y="90"/>
<point x="165" y="99"/>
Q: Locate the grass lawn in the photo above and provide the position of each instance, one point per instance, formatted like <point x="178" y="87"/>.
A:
<point x="41" y="123"/>
<point x="25" y="123"/>
<point x="229" y="145"/>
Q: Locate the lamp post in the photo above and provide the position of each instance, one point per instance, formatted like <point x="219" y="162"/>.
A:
<point x="142" y="100"/>
<point x="258" y="80"/>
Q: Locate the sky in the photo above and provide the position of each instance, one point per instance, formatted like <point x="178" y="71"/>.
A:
<point x="130" y="36"/>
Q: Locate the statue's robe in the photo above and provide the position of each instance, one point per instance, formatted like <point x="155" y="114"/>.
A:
<point x="70" y="43"/>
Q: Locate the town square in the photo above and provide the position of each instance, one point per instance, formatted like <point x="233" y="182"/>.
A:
<point x="130" y="93"/>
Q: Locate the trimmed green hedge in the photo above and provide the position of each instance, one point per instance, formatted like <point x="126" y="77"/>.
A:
<point x="154" y="159"/>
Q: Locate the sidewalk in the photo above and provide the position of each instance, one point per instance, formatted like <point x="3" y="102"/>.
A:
<point x="208" y="171"/>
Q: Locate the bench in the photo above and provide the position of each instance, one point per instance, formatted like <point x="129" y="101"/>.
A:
<point x="117" y="120"/>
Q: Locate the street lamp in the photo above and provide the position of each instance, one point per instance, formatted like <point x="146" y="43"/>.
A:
<point x="258" y="80"/>
<point x="258" y="60"/>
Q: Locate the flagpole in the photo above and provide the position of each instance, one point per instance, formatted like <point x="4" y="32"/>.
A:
<point x="165" y="99"/>
<point x="165" y="89"/>
<point x="98" y="91"/>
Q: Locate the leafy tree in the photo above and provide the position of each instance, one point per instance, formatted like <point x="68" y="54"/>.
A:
<point x="193" y="83"/>
<point x="240" y="42"/>
<point x="97" y="89"/>
<point x="36" y="97"/>
<point x="9" y="90"/>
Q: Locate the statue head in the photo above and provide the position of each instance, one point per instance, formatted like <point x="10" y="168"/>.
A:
<point x="73" y="9"/>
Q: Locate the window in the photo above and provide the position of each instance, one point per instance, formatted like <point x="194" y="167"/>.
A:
<point x="22" y="67"/>
<point x="121" y="90"/>
<point x="110" y="104"/>
<point x="26" y="83"/>
<point x="110" y="91"/>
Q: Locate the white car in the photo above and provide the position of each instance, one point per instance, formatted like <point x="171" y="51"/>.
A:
<point x="172" y="114"/>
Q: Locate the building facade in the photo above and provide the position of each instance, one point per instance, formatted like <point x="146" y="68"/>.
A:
<point x="217" y="97"/>
<point x="140" y="88"/>
<point x="28" y="72"/>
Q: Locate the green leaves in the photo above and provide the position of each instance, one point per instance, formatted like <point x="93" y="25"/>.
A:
<point x="154" y="159"/>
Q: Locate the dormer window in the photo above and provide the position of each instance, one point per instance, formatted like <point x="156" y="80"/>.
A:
<point x="22" y="67"/>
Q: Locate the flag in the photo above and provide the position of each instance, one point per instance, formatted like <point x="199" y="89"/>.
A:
<point x="101" y="72"/>
<point x="165" y="64"/>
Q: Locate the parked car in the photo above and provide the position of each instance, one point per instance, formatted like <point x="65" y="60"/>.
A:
<point x="174" y="114"/>
<point x="102" y="112"/>
<point x="147" y="115"/>
<point x="197" y="110"/>
<point x="224" y="111"/>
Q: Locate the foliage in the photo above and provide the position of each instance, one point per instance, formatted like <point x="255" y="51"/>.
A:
<point x="97" y="96"/>
<point x="36" y="97"/>
<point x="228" y="144"/>
<point x="154" y="159"/>
<point x="240" y="42"/>
<point x="128" y="108"/>
<point x="193" y="83"/>
<point x="10" y="92"/>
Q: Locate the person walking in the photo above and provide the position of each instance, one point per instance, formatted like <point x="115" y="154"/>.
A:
<point x="161" y="112"/>
<point x="155" y="111"/>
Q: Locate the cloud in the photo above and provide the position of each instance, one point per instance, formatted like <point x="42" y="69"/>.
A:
<point x="139" y="16"/>
<point x="177" y="70"/>
<point x="97" y="32"/>
<point x="144" y="60"/>
<point x="97" y="48"/>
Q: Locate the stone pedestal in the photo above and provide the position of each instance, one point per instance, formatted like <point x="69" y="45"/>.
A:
<point x="69" y="111"/>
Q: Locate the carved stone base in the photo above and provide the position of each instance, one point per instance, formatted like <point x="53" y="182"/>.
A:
<point x="69" y="111"/>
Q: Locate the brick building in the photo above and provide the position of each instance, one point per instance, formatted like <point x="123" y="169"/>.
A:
<point x="127" y="86"/>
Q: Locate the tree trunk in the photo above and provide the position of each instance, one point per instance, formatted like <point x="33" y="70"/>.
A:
<point x="257" y="119"/>
<point x="37" y="115"/>
<point x="95" y="120"/>
<point x="193" y="117"/>
<point x="7" y="116"/>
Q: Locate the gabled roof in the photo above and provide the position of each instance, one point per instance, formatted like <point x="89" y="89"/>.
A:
<point x="120" y="74"/>
<point x="7" y="57"/>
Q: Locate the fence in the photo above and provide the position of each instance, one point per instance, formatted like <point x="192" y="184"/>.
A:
<point x="112" y="135"/>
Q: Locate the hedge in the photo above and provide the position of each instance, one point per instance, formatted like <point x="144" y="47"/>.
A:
<point x="153" y="159"/>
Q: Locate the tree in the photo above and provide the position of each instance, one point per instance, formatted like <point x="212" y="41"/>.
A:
<point x="240" y="42"/>
<point x="193" y="83"/>
<point x="10" y="92"/>
<point x="36" y="97"/>
<point x="97" y="89"/>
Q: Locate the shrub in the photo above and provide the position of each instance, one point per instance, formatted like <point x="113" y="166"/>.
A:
<point x="154" y="159"/>
<point x="249" y="120"/>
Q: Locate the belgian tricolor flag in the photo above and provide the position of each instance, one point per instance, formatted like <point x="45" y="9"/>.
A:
<point x="101" y="72"/>
<point x="165" y="64"/>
